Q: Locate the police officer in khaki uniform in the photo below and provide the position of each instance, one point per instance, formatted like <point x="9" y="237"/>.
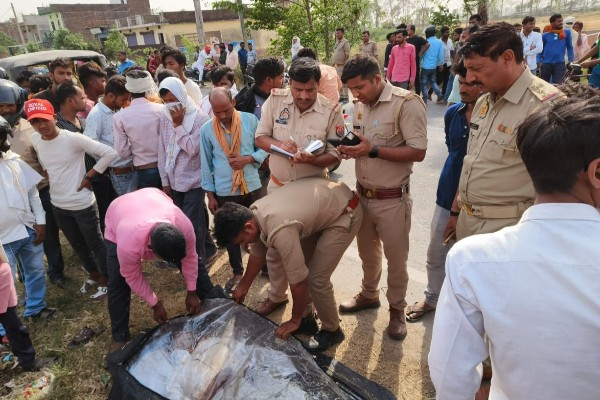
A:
<point x="392" y="128"/>
<point x="341" y="53"/>
<point x="291" y="119"/>
<point x="495" y="188"/>
<point x="303" y="208"/>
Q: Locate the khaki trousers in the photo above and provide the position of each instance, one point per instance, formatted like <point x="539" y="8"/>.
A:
<point x="330" y="247"/>
<point x="469" y="225"/>
<point x="344" y="90"/>
<point x="385" y="222"/>
<point x="278" y="282"/>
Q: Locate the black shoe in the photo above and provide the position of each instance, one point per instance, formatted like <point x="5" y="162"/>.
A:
<point x="61" y="282"/>
<point x="308" y="326"/>
<point x="324" y="340"/>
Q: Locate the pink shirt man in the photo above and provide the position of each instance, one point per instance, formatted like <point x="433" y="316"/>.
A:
<point x="130" y="219"/>
<point x="136" y="131"/>
<point x="402" y="66"/>
<point x="330" y="83"/>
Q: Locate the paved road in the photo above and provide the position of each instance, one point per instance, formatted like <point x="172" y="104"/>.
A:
<point x="399" y="366"/>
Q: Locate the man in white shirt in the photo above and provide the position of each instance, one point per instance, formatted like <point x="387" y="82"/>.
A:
<point x="175" y="60"/>
<point x="252" y="56"/>
<point x="232" y="58"/>
<point x="532" y="43"/>
<point x="61" y="154"/>
<point x="22" y="225"/>
<point x="527" y="295"/>
<point x="199" y="64"/>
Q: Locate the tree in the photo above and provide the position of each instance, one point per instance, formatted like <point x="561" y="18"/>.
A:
<point x="115" y="42"/>
<point x="443" y="17"/>
<point x="62" y="39"/>
<point x="33" y="47"/>
<point x="5" y="42"/>
<point x="313" y="21"/>
<point x="476" y="6"/>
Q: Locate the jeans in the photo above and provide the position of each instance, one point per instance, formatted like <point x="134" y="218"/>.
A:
<point x="436" y="255"/>
<point x="594" y="79"/>
<point x="554" y="72"/>
<point x="234" y="251"/>
<point x="449" y="87"/>
<point x="30" y="257"/>
<point x="124" y="183"/>
<point x="403" y="85"/>
<point x="82" y="230"/>
<point x="56" y="264"/>
<point x="428" y="77"/>
<point x="191" y="203"/>
<point x="149" y="178"/>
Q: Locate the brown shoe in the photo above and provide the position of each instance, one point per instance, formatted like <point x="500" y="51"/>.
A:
<point x="267" y="306"/>
<point x="397" y="327"/>
<point x="359" y="302"/>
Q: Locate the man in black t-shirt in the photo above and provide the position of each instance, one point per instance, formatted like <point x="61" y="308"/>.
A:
<point x="421" y="46"/>
<point x="391" y="37"/>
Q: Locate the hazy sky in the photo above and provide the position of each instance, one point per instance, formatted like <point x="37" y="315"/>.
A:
<point x="30" y="6"/>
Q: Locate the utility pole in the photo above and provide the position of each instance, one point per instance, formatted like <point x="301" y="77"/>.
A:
<point x="19" y="28"/>
<point x="241" y="15"/>
<point x="199" y="23"/>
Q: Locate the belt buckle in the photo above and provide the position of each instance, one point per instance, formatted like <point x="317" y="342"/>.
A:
<point x="369" y="194"/>
<point x="467" y="208"/>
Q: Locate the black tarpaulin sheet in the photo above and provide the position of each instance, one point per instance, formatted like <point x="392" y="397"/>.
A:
<point x="229" y="352"/>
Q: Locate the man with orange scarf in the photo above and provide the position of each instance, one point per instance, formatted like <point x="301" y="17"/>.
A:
<point x="556" y="41"/>
<point x="230" y="162"/>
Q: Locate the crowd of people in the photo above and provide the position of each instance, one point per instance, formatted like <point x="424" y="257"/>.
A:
<point x="128" y="168"/>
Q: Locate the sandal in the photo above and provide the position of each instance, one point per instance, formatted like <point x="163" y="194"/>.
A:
<point x="415" y="312"/>
<point x="100" y="294"/>
<point x="231" y="284"/>
<point x="46" y="313"/>
<point x="87" y="285"/>
<point x="84" y="336"/>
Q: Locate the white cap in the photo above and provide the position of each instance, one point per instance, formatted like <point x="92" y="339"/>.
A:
<point x="570" y="20"/>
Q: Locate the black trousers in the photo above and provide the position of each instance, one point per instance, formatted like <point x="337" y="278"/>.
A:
<point x="119" y="294"/>
<point x="105" y="194"/>
<point x="18" y="335"/>
<point x="233" y="251"/>
<point x="52" y="249"/>
<point x="82" y="230"/>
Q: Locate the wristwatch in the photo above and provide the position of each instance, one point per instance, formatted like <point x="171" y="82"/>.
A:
<point x="374" y="151"/>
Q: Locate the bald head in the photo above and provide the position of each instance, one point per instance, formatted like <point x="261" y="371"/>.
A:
<point x="223" y="105"/>
<point x="220" y="94"/>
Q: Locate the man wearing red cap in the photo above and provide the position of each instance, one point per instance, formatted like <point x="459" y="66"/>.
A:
<point x="61" y="154"/>
<point x="200" y="61"/>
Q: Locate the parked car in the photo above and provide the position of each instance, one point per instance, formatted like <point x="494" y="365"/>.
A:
<point x="38" y="62"/>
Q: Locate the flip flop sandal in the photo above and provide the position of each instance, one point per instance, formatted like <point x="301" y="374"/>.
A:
<point x="87" y="285"/>
<point x="84" y="336"/>
<point x="231" y="284"/>
<point x="100" y="294"/>
<point x="419" y="311"/>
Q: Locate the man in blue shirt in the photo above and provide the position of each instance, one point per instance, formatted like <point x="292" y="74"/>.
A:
<point x="124" y="62"/>
<point x="456" y="126"/>
<point x="556" y="41"/>
<point x="243" y="57"/>
<point x="432" y="59"/>
<point x="230" y="162"/>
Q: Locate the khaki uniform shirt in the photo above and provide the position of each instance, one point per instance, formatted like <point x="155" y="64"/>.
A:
<point x="302" y="208"/>
<point x="493" y="172"/>
<point x="341" y="52"/>
<point x="397" y="119"/>
<point x="281" y="119"/>
<point x="21" y="144"/>
<point x="369" y="48"/>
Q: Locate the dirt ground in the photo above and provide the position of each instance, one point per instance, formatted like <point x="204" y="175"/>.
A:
<point x="80" y="375"/>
